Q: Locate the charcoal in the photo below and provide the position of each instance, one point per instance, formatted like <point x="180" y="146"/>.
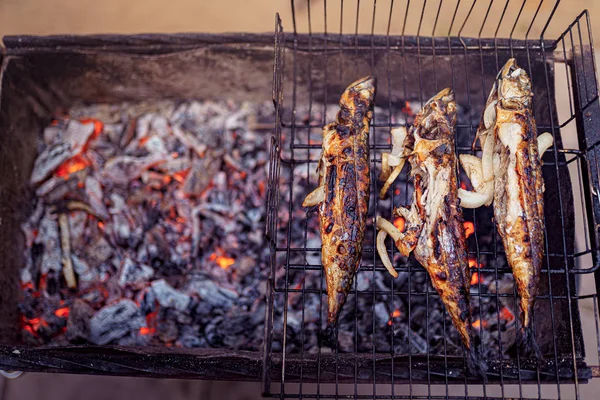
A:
<point x="191" y="340"/>
<point x="212" y="294"/>
<point x="169" y="297"/>
<point x="72" y="141"/>
<point x="121" y="229"/>
<point x="382" y="314"/>
<point x="190" y="140"/>
<point x="213" y="335"/>
<point x="49" y="238"/>
<point x="168" y="331"/>
<point x="52" y="134"/>
<point x="113" y="132"/>
<point x="78" y="323"/>
<point x="245" y="265"/>
<point x="134" y="274"/>
<point x="121" y="170"/>
<point x="155" y="145"/>
<point x="85" y="273"/>
<point x="99" y="251"/>
<point x="95" y="196"/>
<point x="201" y="174"/>
<point x="115" y="321"/>
<point x="345" y="341"/>
<point x="117" y="203"/>
<point x="168" y="192"/>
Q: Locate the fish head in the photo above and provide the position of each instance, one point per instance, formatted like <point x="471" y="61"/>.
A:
<point x="439" y="110"/>
<point x="364" y="88"/>
<point x="514" y="86"/>
<point x="356" y="102"/>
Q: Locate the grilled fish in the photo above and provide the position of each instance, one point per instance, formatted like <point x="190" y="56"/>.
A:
<point x="434" y="221"/>
<point x="343" y="193"/>
<point x="510" y="175"/>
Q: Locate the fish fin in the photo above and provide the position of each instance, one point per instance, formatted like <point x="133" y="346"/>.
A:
<point x="315" y="197"/>
<point x="527" y="344"/>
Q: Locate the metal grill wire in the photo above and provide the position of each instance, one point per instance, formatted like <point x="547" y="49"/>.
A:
<point x="573" y="56"/>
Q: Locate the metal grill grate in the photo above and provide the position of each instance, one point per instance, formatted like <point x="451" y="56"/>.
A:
<point x="464" y="52"/>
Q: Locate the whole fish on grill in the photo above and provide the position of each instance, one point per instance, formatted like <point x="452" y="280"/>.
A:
<point x="434" y="229"/>
<point x="509" y="174"/>
<point x="343" y="193"/>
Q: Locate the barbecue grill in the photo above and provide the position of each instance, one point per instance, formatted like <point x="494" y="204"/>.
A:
<point x="391" y="331"/>
<point x="394" y="331"/>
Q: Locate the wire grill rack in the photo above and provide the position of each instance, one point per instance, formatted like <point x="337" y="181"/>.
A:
<point x="415" y="49"/>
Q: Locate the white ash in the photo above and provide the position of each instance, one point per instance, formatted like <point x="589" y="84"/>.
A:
<point x="165" y="208"/>
<point x="85" y="273"/>
<point x="115" y="321"/>
<point x="214" y="295"/>
<point x="134" y="274"/>
<point x="168" y="297"/>
<point x="69" y="144"/>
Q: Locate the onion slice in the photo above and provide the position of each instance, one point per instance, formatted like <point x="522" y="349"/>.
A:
<point x="385" y="228"/>
<point x="545" y="141"/>
<point x="472" y="199"/>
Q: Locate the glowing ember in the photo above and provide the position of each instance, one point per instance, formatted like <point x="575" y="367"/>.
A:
<point x="475" y="279"/>
<point x="473" y="263"/>
<point x="42" y="283"/>
<point x="469" y="229"/>
<point x="399" y="223"/>
<point x="34" y="324"/>
<point x="225" y="262"/>
<point x="397" y="192"/>
<point x="71" y="166"/>
<point x="144" y="330"/>
<point x="98" y="126"/>
<point x="395" y="314"/>
<point x="151" y="321"/>
<point x="62" y="312"/>
<point x="101" y="225"/>
<point x="180" y="176"/>
<point x="407" y="109"/>
<point x="506" y="314"/>
<point x="478" y="324"/>
<point x="213" y="257"/>
<point x="463" y="185"/>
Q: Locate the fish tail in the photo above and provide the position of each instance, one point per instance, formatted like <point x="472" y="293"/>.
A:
<point x="527" y="344"/>
<point x="476" y="365"/>
<point x="328" y="336"/>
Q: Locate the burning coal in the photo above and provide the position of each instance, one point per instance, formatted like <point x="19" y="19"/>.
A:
<point x="147" y="227"/>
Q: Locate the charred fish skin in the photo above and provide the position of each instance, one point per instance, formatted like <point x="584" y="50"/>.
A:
<point x="510" y="174"/>
<point x="343" y="193"/>
<point x="518" y="192"/>
<point x="442" y="247"/>
<point x="434" y="222"/>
